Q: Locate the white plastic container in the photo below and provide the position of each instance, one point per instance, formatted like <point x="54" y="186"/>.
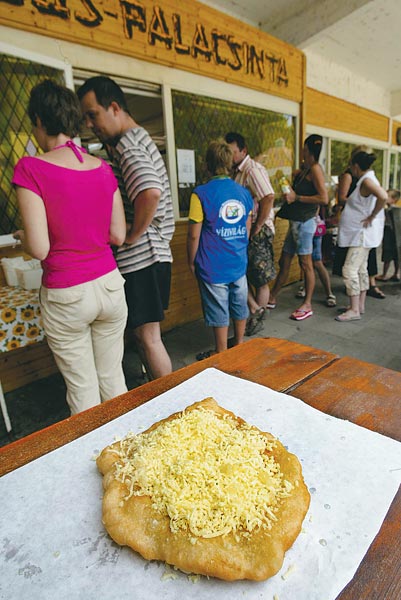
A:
<point x="10" y="266"/>
<point x="29" y="275"/>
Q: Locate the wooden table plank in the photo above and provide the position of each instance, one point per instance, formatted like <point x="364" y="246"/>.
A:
<point x="369" y="396"/>
<point x="360" y="392"/>
<point x="276" y="363"/>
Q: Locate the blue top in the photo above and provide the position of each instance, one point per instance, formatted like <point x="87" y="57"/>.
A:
<point x="222" y="253"/>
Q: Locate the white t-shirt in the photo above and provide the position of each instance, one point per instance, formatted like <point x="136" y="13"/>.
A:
<point x="357" y="208"/>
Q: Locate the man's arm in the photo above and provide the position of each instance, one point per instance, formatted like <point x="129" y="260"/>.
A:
<point x="259" y="183"/>
<point x="145" y="207"/>
<point x="265" y="207"/>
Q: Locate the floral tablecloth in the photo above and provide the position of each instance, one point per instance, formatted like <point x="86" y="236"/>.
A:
<point x="20" y="321"/>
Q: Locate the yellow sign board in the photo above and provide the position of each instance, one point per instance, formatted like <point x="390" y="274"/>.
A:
<point x="181" y="34"/>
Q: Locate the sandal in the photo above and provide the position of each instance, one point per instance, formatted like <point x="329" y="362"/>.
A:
<point x="203" y="355"/>
<point x="254" y="323"/>
<point x="375" y="292"/>
<point x="331" y="300"/>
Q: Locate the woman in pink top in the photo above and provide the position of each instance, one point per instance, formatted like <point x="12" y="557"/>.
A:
<point x="71" y="212"/>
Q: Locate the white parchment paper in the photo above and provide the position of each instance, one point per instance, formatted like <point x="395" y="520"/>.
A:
<point x="53" y="544"/>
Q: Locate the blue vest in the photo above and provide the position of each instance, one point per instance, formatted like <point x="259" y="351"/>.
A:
<point x="222" y="253"/>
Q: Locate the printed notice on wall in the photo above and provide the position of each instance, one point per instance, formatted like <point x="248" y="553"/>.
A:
<point x="186" y="167"/>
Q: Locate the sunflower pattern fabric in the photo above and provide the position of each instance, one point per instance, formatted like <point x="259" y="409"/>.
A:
<point x="20" y="321"/>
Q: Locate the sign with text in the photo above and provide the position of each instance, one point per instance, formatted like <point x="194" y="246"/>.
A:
<point x="184" y="35"/>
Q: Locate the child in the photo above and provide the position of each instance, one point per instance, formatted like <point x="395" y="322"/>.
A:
<point x="389" y="246"/>
<point x="218" y="232"/>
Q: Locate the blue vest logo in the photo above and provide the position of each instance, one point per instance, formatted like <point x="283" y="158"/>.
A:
<point x="231" y="211"/>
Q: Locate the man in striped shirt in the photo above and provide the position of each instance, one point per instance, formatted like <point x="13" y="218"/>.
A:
<point x="145" y="258"/>
<point x="261" y="270"/>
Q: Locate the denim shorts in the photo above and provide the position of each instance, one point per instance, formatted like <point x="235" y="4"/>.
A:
<point x="299" y="239"/>
<point x="220" y="301"/>
<point x="317" y="248"/>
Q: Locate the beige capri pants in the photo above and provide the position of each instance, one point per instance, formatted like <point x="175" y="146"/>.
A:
<point x="355" y="270"/>
<point x="84" y="326"/>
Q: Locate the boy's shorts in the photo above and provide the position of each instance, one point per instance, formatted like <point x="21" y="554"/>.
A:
<point x="220" y="301"/>
<point x="147" y="293"/>
<point x="299" y="239"/>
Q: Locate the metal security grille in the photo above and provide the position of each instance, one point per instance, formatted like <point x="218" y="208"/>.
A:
<point x="17" y="77"/>
<point x="198" y="120"/>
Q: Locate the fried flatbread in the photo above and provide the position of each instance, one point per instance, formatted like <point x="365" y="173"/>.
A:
<point x="205" y="492"/>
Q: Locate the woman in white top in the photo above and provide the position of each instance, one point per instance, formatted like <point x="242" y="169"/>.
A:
<point x="360" y="229"/>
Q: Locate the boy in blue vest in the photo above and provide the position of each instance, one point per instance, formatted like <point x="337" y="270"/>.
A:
<point x="218" y="232"/>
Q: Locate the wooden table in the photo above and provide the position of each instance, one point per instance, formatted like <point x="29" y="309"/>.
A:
<point x="343" y="387"/>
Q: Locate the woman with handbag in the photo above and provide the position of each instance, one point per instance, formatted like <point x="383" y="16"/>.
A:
<point x="317" y="260"/>
<point x="307" y="192"/>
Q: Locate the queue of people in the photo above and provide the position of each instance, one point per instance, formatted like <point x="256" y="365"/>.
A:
<point x="103" y="235"/>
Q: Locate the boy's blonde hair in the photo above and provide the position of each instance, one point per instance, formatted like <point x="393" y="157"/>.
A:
<point x="219" y="158"/>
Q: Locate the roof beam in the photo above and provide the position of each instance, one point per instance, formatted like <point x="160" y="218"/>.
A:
<point x="305" y="19"/>
<point x="395" y="105"/>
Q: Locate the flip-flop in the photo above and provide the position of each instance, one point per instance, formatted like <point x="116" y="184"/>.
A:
<point x="271" y="305"/>
<point x="300" y="314"/>
<point x="344" y="318"/>
<point x="344" y="309"/>
<point x="394" y="278"/>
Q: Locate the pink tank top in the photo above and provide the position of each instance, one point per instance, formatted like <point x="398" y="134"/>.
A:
<point x="78" y="208"/>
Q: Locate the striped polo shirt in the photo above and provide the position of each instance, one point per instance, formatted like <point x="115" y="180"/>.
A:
<point x="141" y="167"/>
<point x="255" y="178"/>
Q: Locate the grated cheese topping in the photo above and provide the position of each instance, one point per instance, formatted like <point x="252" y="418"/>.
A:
<point x="210" y="475"/>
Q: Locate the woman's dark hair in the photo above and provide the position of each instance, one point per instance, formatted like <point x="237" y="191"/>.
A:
<point x="314" y="144"/>
<point x="106" y="91"/>
<point x="364" y="159"/>
<point x="57" y="108"/>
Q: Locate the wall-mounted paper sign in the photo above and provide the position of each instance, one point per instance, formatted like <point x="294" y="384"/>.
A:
<point x="186" y="167"/>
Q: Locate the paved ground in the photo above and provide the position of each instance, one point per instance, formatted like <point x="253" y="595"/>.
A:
<point x="376" y="338"/>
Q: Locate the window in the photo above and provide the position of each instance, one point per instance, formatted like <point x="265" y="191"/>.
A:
<point x="340" y="157"/>
<point x="395" y="171"/>
<point x="198" y="120"/>
<point x="18" y="75"/>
